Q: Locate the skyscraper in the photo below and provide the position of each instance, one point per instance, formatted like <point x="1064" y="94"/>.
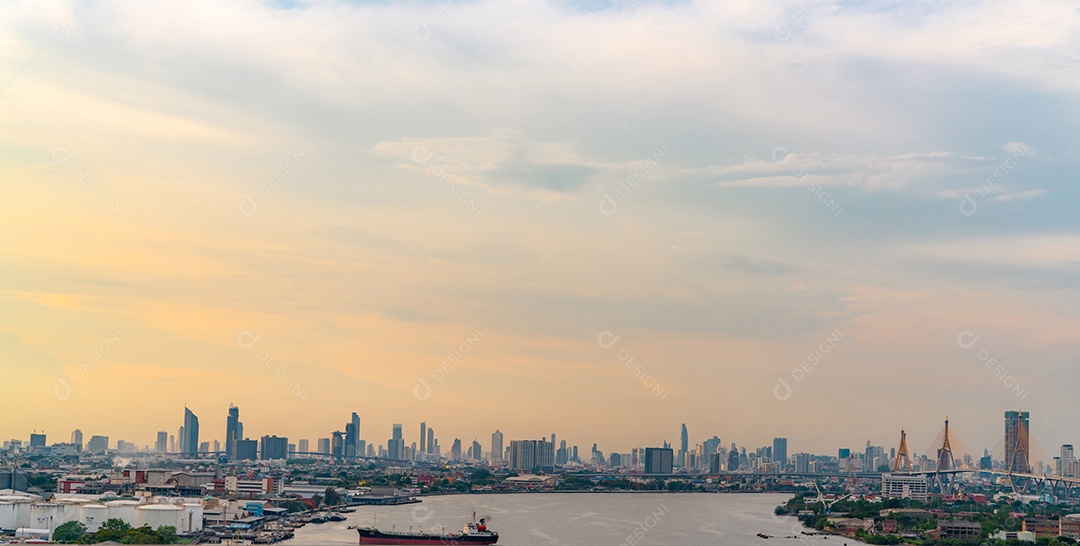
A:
<point x="77" y="439"/>
<point x="162" y="443"/>
<point x="1017" y="445"/>
<point x="274" y="447"/>
<point x="658" y="460"/>
<point x="532" y="455"/>
<point x="189" y="440"/>
<point x="1065" y="462"/>
<point x="779" y="452"/>
<point x="350" y="440"/>
<point x="395" y="448"/>
<point x="684" y="444"/>
<point x="337" y="445"/>
<point x="303" y="446"/>
<point x="232" y="431"/>
<point x="431" y="441"/>
<point x="423" y="438"/>
<point x="496" y="446"/>
<point x="352" y="437"/>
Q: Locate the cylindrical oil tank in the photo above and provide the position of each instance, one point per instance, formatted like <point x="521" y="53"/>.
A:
<point x="158" y="515"/>
<point x="14" y="512"/>
<point x="122" y="509"/>
<point x="93" y="515"/>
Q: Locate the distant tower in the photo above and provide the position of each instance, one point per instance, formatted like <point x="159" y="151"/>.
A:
<point x="496" y="446"/>
<point x="902" y="460"/>
<point x="189" y="439"/>
<point x="232" y="431"/>
<point x="357" y="443"/>
<point x="779" y="451"/>
<point x="77" y="439"/>
<point x="1017" y="448"/>
<point x="684" y="444"/>
<point x="423" y="437"/>
<point x="431" y="440"/>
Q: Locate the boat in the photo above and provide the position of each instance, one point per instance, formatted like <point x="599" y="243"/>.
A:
<point x="473" y="533"/>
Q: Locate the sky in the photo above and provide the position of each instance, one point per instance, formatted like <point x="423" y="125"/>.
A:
<point x="820" y="220"/>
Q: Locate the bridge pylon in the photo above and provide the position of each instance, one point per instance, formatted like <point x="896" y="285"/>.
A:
<point x="903" y="459"/>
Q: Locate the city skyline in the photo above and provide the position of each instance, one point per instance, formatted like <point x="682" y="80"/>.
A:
<point x="396" y="445"/>
<point x="536" y="217"/>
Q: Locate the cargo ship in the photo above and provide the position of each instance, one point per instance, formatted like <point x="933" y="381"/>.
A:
<point x="473" y="533"/>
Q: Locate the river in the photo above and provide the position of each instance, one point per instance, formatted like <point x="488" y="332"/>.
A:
<point x="614" y="519"/>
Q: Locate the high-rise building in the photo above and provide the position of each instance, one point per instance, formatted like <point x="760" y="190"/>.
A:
<point x="532" y="456"/>
<point x="274" y="448"/>
<point x="247" y="450"/>
<point x="77" y="439"/>
<point x="162" y="443"/>
<point x="350" y="440"/>
<point x="477" y="451"/>
<point x="395" y="448"/>
<point x="561" y="454"/>
<point x="189" y="440"/>
<point x="98" y="445"/>
<point x="659" y="460"/>
<point x="455" y="450"/>
<point x="779" y="452"/>
<point x="337" y="445"/>
<point x="802" y="463"/>
<point x="232" y="431"/>
<point x="1017" y="443"/>
<point x="422" y="444"/>
<point x="357" y="447"/>
<point x="431" y="441"/>
<point x="323" y="446"/>
<point x="684" y="446"/>
<point x="1065" y="462"/>
<point x="303" y="446"/>
<point x="497" y="446"/>
<point x="37" y="440"/>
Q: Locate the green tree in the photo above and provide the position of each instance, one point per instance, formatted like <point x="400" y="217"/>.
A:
<point x="115" y="524"/>
<point x="331" y="497"/>
<point x="167" y="534"/>
<point x="69" y="531"/>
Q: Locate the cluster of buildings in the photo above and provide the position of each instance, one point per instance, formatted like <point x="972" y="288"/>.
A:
<point x="545" y="454"/>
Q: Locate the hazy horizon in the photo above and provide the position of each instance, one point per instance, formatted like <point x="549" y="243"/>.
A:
<point x="476" y="214"/>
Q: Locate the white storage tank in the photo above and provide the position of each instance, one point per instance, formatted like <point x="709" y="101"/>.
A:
<point x="14" y="512"/>
<point x="192" y="518"/>
<point x="158" y="515"/>
<point x="93" y="515"/>
<point x="49" y="515"/>
<point x="123" y="509"/>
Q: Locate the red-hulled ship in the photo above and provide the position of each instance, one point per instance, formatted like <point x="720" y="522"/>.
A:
<point x="473" y="533"/>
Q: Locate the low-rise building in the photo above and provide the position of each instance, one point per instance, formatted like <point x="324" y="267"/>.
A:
<point x="959" y="529"/>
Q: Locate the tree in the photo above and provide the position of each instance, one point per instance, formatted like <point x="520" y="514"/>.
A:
<point x="331" y="497"/>
<point x="69" y="532"/>
<point x="167" y="534"/>
<point x="115" y="524"/>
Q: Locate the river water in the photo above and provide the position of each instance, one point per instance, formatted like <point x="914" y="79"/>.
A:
<point x="629" y="519"/>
